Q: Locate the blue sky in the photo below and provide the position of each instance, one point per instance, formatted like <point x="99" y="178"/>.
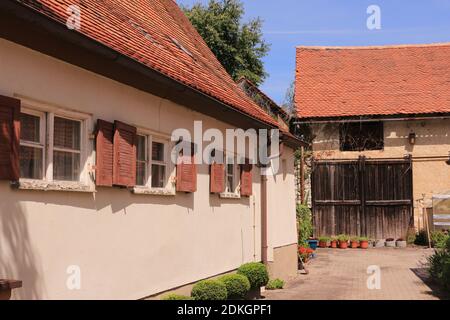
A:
<point x="290" y="23"/>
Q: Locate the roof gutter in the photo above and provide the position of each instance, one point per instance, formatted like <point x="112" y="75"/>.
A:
<point x="25" y="26"/>
<point x="374" y="118"/>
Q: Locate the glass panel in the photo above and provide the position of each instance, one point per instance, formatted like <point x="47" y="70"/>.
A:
<point x="67" y="134"/>
<point x="140" y="173"/>
<point x="66" y="166"/>
<point x="158" y="176"/>
<point x="157" y="151"/>
<point x="230" y="177"/>
<point x="29" y="127"/>
<point x="31" y="162"/>
<point x="140" y="152"/>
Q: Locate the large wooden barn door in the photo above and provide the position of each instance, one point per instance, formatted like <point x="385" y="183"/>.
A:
<point x="362" y="197"/>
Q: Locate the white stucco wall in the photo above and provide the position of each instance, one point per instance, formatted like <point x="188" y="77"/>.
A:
<point x="127" y="246"/>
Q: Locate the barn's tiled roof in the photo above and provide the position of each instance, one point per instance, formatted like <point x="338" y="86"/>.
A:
<point x="364" y="81"/>
<point x="158" y="35"/>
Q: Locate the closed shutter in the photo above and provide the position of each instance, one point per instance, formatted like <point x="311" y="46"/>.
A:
<point x="124" y="163"/>
<point x="105" y="153"/>
<point x="246" y="180"/>
<point x="217" y="178"/>
<point x="186" y="175"/>
<point x="9" y="138"/>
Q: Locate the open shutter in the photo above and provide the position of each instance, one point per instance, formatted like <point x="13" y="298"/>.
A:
<point x="246" y="180"/>
<point x="124" y="161"/>
<point x="105" y="153"/>
<point x="186" y="175"/>
<point x="9" y="138"/>
<point x="217" y="178"/>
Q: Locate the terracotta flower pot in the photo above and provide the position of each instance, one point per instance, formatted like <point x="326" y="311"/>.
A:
<point x="354" y="244"/>
<point x="322" y="244"/>
<point x="343" y="244"/>
<point x="333" y="244"/>
<point x="364" y="244"/>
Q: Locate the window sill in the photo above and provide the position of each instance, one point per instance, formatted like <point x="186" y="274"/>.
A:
<point x="153" y="191"/>
<point x="40" y="185"/>
<point x="229" y="195"/>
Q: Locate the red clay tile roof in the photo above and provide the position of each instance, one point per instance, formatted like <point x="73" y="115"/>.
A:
<point x="157" y="34"/>
<point x="363" y="81"/>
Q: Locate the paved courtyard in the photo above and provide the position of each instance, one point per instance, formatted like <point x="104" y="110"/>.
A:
<point x="337" y="274"/>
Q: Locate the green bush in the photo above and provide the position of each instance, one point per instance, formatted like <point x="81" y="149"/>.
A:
<point x="440" y="265"/>
<point x="304" y="224"/>
<point x="275" y="284"/>
<point x="438" y="239"/>
<point x="343" y="237"/>
<point x="237" y="285"/>
<point x="209" y="290"/>
<point x="256" y="273"/>
<point x="174" y="296"/>
<point x="324" y="239"/>
<point x="421" y="238"/>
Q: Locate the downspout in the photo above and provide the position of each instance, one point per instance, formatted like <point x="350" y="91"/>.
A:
<point x="264" y="245"/>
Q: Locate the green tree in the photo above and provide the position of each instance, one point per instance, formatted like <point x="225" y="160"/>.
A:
<point x="239" y="46"/>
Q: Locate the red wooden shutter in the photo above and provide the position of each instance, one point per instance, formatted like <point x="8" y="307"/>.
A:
<point x="217" y="178"/>
<point x="124" y="163"/>
<point x="9" y="138"/>
<point x="105" y="153"/>
<point x="186" y="175"/>
<point x="246" y="180"/>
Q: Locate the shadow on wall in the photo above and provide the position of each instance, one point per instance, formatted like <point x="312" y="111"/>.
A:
<point x="17" y="257"/>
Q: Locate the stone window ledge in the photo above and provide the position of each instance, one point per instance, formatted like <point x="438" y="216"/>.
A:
<point x="229" y="195"/>
<point x="153" y="191"/>
<point x="40" y="185"/>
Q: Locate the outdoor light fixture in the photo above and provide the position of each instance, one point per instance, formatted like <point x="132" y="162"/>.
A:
<point x="412" y="138"/>
<point x="448" y="161"/>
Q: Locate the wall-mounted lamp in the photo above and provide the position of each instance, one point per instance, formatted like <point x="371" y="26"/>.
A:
<point x="412" y="138"/>
<point x="448" y="161"/>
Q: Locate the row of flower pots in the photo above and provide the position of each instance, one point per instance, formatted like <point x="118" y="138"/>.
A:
<point x="344" y="241"/>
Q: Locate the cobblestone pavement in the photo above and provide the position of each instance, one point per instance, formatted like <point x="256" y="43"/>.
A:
<point x="341" y="274"/>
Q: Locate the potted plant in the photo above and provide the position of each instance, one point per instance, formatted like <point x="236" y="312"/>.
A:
<point x="400" y="243"/>
<point x="343" y="241"/>
<point x="390" y="242"/>
<point x="354" y="242"/>
<point x="363" y="242"/>
<point x="333" y="242"/>
<point x="323" y="242"/>
<point x="312" y="242"/>
<point x="380" y="243"/>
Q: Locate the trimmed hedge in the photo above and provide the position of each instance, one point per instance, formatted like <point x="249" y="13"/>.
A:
<point x="209" y="290"/>
<point x="174" y="296"/>
<point x="256" y="273"/>
<point x="275" y="284"/>
<point x="237" y="285"/>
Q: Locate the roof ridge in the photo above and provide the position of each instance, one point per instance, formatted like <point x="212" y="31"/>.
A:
<point x="390" y="46"/>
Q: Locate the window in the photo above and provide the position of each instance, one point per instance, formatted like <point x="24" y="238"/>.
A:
<point x="66" y="149"/>
<point x="151" y="171"/>
<point x="158" y="165"/>
<point x="51" y="145"/>
<point x="141" y="160"/>
<point x="32" y="136"/>
<point x="360" y="136"/>
<point x="230" y="176"/>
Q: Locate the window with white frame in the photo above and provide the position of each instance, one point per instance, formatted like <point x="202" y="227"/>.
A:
<point x="151" y="162"/>
<point x="230" y="176"/>
<point x="32" y="145"/>
<point x="50" y="146"/>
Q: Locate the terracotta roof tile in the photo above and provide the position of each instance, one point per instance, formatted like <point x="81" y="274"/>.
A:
<point x="362" y="81"/>
<point x="157" y="34"/>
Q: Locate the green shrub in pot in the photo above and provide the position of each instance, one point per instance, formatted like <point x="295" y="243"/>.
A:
<point x="209" y="290"/>
<point x="237" y="285"/>
<point x="256" y="273"/>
